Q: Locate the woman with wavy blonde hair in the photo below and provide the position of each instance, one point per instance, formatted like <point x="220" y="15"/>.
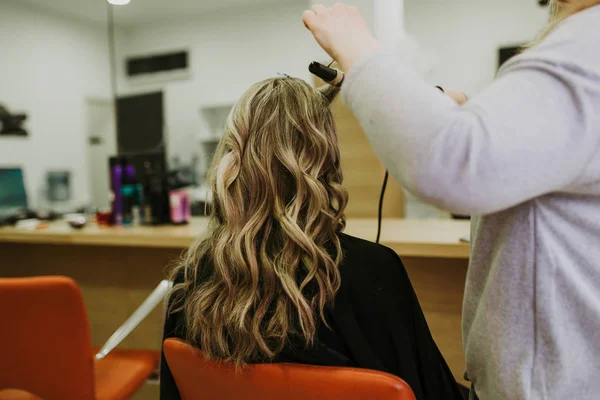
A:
<point x="275" y="279"/>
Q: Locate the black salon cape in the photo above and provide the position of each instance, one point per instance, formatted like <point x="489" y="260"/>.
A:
<point x="376" y="323"/>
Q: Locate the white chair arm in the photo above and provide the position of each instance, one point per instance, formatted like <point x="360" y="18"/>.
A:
<point x="156" y="297"/>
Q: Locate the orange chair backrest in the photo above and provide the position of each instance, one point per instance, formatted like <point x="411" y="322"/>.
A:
<point x="198" y="378"/>
<point x="45" y="344"/>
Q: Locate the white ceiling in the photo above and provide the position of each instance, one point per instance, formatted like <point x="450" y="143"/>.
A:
<point x="144" y="11"/>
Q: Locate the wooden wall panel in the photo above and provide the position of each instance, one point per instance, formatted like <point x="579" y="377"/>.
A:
<point x="440" y="285"/>
<point x="363" y="172"/>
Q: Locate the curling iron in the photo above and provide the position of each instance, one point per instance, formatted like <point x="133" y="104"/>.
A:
<point x="332" y="76"/>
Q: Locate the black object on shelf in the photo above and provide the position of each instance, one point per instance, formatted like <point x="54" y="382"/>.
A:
<point x="151" y="176"/>
<point x="16" y="216"/>
<point x="12" y="124"/>
<point x="461" y="217"/>
<point x="155" y="204"/>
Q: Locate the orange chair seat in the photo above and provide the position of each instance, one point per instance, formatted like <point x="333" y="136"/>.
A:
<point x="122" y="372"/>
<point x="198" y="378"/>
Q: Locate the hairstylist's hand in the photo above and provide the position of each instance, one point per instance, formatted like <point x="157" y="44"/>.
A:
<point x="342" y="32"/>
<point x="459" y="97"/>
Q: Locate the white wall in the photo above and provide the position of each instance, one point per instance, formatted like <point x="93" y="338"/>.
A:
<point x="49" y="67"/>
<point x="229" y="51"/>
<point x="463" y="36"/>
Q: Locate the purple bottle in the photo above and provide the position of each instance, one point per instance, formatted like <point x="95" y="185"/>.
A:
<point x="116" y="176"/>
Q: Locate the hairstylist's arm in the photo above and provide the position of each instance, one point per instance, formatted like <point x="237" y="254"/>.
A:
<point x="523" y="137"/>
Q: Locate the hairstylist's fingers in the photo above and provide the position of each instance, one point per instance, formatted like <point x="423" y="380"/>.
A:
<point x="341" y="31"/>
<point x="309" y="17"/>
<point x="319" y="9"/>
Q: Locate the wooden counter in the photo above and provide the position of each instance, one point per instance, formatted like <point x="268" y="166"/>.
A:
<point x="117" y="268"/>
<point x="435" y="238"/>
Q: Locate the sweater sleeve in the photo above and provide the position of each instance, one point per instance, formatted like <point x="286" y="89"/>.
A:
<point x="526" y="135"/>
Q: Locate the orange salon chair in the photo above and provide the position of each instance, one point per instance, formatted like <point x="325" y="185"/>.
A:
<point x="197" y="378"/>
<point x="46" y="348"/>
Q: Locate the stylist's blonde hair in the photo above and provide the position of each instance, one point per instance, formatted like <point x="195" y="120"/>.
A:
<point x="268" y="267"/>
<point x="560" y="10"/>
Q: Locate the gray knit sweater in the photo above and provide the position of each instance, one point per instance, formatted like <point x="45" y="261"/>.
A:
<point x="524" y="157"/>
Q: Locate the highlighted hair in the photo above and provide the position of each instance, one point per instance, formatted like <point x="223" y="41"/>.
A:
<point x="269" y="263"/>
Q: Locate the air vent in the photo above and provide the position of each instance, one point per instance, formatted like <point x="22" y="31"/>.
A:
<point x="158" y="67"/>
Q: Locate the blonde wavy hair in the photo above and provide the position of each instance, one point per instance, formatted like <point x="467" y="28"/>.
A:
<point x="561" y="10"/>
<point x="268" y="267"/>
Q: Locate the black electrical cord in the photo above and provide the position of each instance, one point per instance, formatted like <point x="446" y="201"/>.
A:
<point x="385" y="180"/>
<point x="328" y="74"/>
<point x="380" y="211"/>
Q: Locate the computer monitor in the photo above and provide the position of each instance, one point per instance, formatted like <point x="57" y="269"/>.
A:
<point x="13" y="195"/>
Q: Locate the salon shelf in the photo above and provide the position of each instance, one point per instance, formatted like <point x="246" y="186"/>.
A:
<point x="409" y="238"/>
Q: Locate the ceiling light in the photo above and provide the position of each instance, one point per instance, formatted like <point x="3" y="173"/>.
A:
<point x="119" y="2"/>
